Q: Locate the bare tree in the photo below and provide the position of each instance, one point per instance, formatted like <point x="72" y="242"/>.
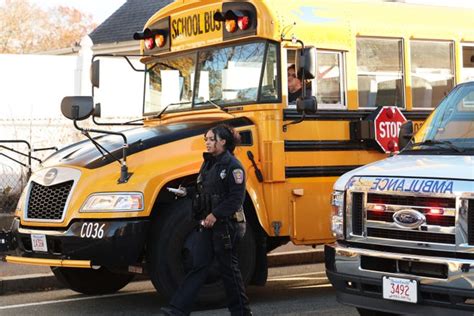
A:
<point x="26" y="28"/>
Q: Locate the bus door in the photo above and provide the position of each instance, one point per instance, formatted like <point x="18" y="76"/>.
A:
<point x="315" y="152"/>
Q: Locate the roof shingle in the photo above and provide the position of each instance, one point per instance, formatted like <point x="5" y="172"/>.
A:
<point x="128" y="19"/>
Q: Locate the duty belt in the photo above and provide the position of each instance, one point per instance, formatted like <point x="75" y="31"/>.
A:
<point x="239" y="216"/>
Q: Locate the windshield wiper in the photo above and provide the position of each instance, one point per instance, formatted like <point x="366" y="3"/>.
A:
<point x="211" y="102"/>
<point x="157" y="116"/>
<point x="430" y="142"/>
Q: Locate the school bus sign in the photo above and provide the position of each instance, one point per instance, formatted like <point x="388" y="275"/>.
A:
<point x="197" y="26"/>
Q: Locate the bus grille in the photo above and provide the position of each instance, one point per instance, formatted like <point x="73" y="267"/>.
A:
<point x="48" y="202"/>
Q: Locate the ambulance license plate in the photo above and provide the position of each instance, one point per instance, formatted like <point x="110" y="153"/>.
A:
<point x="398" y="289"/>
<point x="38" y="242"/>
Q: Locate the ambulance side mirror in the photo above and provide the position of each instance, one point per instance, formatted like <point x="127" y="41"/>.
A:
<point x="405" y="135"/>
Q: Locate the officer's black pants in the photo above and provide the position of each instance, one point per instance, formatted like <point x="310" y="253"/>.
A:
<point x="205" y="245"/>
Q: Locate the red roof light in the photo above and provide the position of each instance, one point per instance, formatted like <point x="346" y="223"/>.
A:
<point x="149" y="43"/>
<point x="243" y="22"/>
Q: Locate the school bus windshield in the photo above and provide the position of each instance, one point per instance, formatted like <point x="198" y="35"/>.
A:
<point x="231" y="75"/>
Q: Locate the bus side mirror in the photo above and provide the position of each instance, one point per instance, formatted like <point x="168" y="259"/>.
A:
<point x="95" y="73"/>
<point x="307" y="62"/>
<point x="308" y="105"/>
<point x="405" y="135"/>
<point x="77" y="108"/>
<point x="97" y="110"/>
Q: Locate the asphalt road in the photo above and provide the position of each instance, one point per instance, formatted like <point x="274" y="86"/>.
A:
<point x="294" y="290"/>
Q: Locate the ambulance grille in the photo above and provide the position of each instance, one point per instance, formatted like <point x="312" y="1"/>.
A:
<point x="357" y="213"/>
<point x="470" y="222"/>
<point x="371" y="222"/>
<point x="419" y="201"/>
<point x="48" y="202"/>
<point x="411" y="235"/>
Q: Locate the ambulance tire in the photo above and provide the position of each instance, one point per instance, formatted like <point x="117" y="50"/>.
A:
<point x="169" y="256"/>
<point x="90" y="281"/>
<point x="369" y="312"/>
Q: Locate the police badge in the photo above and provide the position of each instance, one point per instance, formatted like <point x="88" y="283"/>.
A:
<point x="223" y="174"/>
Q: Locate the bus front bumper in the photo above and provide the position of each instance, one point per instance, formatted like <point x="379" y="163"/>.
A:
<point x="85" y="243"/>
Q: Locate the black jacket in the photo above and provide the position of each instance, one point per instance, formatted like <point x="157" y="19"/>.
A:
<point x="221" y="182"/>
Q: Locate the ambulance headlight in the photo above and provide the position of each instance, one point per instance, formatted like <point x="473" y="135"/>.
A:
<point x="337" y="203"/>
<point x="114" y="202"/>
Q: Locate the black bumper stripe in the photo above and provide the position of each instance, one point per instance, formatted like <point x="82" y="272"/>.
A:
<point x="330" y="145"/>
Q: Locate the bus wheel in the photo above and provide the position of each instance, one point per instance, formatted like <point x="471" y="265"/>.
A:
<point x="91" y="282"/>
<point x="169" y="255"/>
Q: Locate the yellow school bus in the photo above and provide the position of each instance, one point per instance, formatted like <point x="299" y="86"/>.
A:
<point x="98" y="212"/>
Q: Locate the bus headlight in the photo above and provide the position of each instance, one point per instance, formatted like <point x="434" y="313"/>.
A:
<point x="114" y="202"/>
<point x="20" y="207"/>
<point x="337" y="203"/>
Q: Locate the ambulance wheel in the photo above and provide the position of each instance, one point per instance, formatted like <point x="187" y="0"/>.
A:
<point x="369" y="312"/>
<point x="90" y="281"/>
<point x="169" y="255"/>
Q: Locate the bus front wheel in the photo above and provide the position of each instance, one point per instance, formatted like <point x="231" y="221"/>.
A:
<point x="91" y="282"/>
<point x="169" y="256"/>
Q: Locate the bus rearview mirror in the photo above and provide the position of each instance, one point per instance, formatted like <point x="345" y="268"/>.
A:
<point x="308" y="105"/>
<point x="307" y="62"/>
<point x="77" y="108"/>
<point x="405" y="134"/>
<point x="95" y="73"/>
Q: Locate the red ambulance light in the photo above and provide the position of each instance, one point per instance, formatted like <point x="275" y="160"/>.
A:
<point x="436" y="211"/>
<point x="243" y="22"/>
<point x="378" y="208"/>
<point x="149" y="43"/>
<point x="159" y="40"/>
<point x="230" y="25"/>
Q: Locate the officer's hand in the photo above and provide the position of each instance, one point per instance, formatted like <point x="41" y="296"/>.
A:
<point x="182" y="194"/>
<point x="209" y="221"/>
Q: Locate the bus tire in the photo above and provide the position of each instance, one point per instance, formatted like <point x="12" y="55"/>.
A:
<point x="169" y="258"/>
<point x="90" y="281"/>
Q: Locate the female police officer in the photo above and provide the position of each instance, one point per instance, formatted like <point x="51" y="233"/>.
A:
<point x="217" y="204"/>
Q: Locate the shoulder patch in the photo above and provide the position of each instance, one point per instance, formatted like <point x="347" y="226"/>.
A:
<point x="238" y="176"/>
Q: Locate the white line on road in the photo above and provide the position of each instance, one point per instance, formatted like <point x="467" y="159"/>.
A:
<point x="299" y="274"/>
<point x="296" y="279"/>
<point x="75" y="299"/>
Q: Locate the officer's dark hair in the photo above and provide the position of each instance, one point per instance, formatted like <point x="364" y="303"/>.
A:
<point x="232" y="137"/>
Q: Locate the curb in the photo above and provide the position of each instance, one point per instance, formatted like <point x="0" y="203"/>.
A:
<point x="45" y="281"/>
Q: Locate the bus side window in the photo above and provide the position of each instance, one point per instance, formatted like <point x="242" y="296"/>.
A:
<point x="380" y="72"/>
<point x="330" y="89"/>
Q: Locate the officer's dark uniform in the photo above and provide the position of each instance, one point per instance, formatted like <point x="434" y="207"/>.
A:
<point x="220" y="190"/>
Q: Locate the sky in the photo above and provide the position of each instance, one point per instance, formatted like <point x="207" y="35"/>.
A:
<point x="99" y="9"/>
<point x="102" y="9"/>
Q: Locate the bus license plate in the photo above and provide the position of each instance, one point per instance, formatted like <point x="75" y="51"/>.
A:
<point x="400" y="289"/>
<point x="38" y="242"/>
